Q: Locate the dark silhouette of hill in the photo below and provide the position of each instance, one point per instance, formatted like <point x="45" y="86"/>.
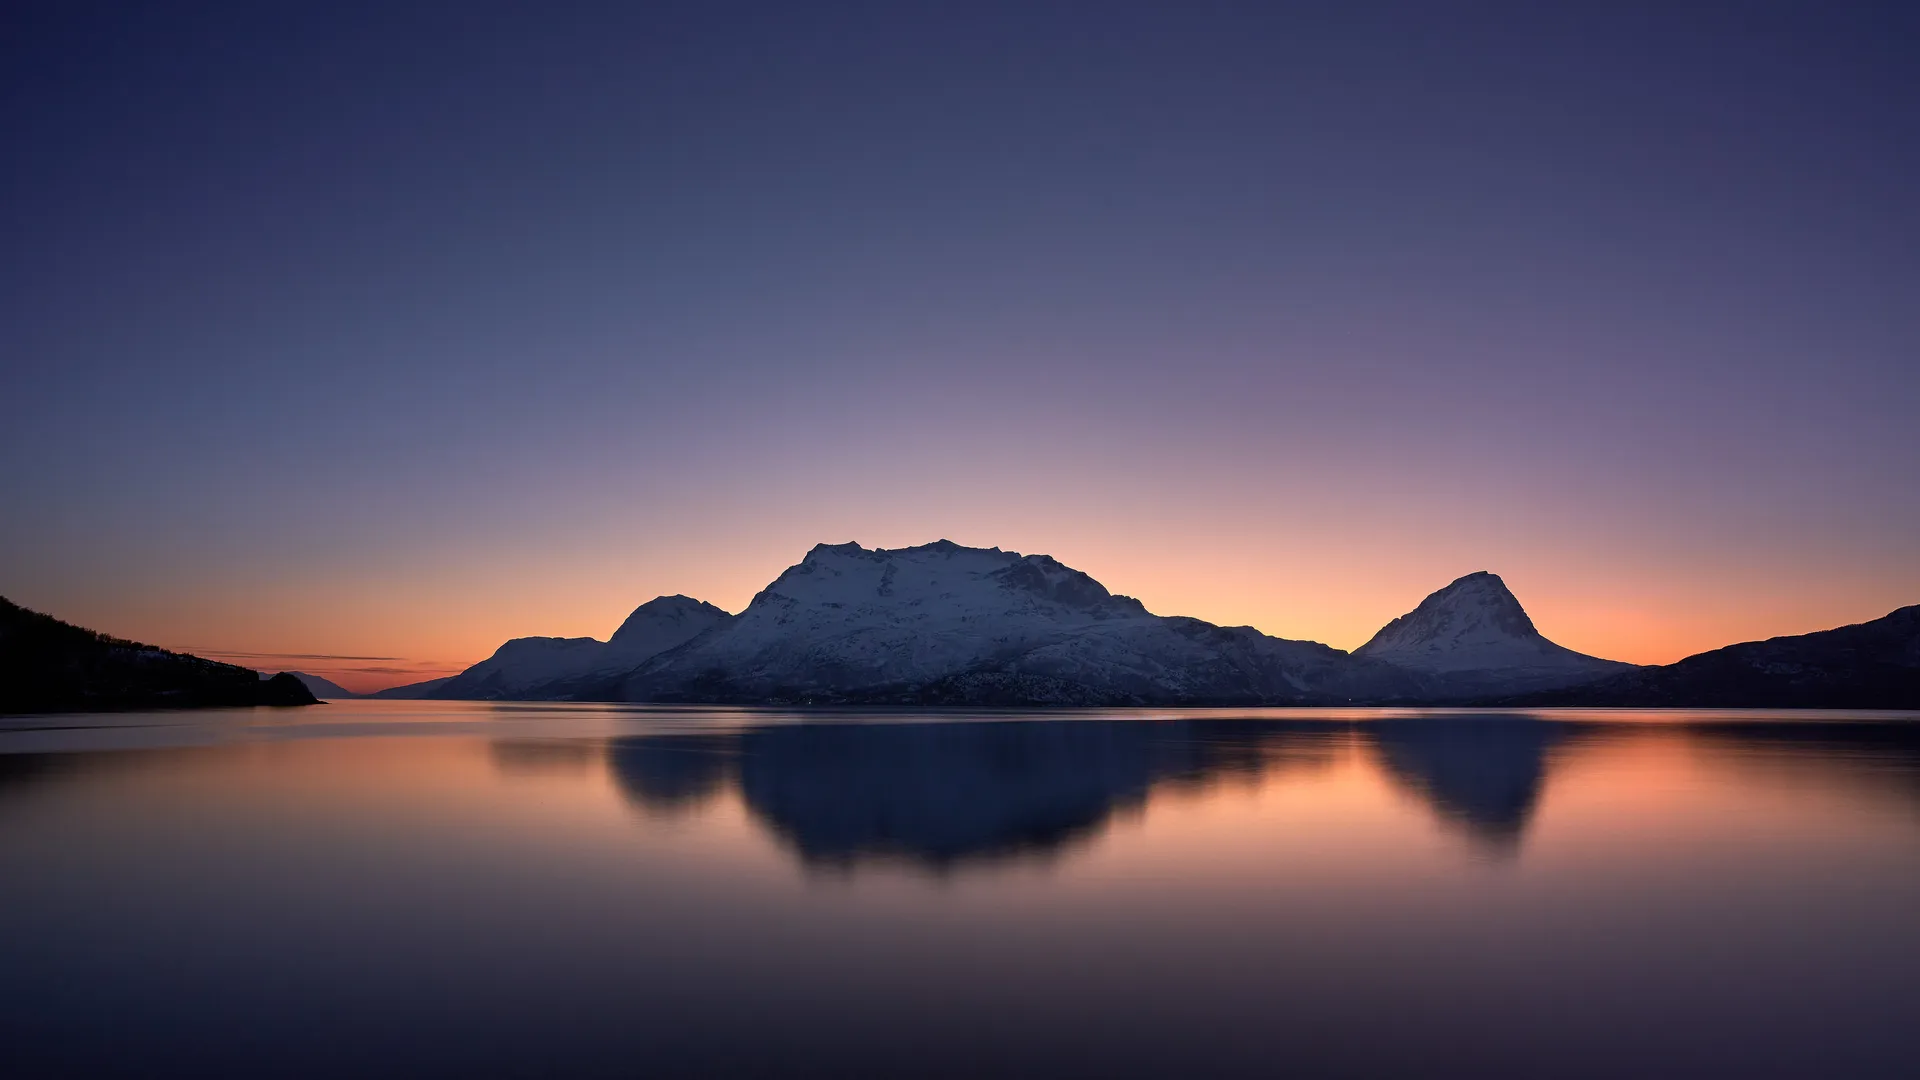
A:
<point x="1870" y="665"/>
<point x="410" y="691"/>
<point x="323" y="688"/>
<point x="50" y="666"/>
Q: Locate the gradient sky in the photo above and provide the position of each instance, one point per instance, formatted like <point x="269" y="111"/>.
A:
<point x="385" y="333"/>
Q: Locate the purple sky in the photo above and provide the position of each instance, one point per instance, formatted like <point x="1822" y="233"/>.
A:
<point x="343" y="329"/>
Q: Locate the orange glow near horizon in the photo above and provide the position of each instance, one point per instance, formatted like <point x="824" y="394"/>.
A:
<point x="372" y="633"/>
<point x="1316" y="559"/>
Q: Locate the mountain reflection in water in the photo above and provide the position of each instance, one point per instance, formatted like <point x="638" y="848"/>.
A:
<point x="1482" y="773"/>
<point x="670" y="774"/>
<point x="464" y="889"/>
<point x="944" y="795"/>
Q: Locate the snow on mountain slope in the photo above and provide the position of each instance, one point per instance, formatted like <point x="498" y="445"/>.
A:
<point x="660" y="624"/>
<point x="523" y="663"/>
<point x="945" y="622"/>
<point x="522" y="666"/>
<point x="1474" y="635"/>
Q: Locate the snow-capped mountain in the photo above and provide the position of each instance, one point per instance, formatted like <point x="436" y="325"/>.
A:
<point x="660" y="624"/>
<point x="1473" y="637"/>
<point x="520" y="667"/>
<point x="944" y="623"/>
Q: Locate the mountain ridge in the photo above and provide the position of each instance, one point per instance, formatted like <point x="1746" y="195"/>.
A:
<point x="1867" y="665"/>
<point x="945" y="624"/>
<point x="941" y="623"/>
<point x="47" y="665"/>
<point x="520" y="665"/>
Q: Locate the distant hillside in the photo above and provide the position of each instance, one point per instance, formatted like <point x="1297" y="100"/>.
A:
<point x="411" y="691"/>
<point x="325" y="689"/>
<point x="50" y="666"/>
<point x="523" y="664"/>
<point x="1870" y="665"/>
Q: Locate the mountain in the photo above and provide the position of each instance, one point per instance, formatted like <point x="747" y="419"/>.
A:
<point x="50" y="666"/>
<point x="325" y="689"/>
<point x="520" y="667"/>
<point x="411" y="691"/>
<point x="1870" y="665"/>
<point x="943" y="624"/>
<point x="662" y="623"/>
<point x="946" y="624"/>
<point x="520" y="664"/>
<point x="1473" y="637"/>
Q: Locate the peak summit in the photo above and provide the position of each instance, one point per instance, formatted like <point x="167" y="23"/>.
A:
<point x="1478" y="599"/>
<point x="521" y="666"/>
<point x="854" y="549"/>
<point x="1474" y="624"/>
<point x="664" y="619"/>
<point x="929" y="622"/>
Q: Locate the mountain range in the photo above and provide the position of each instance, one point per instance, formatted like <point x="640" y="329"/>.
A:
<point x="943" y="624"/>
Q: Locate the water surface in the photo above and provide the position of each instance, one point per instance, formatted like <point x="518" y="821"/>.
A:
<point x="472" y="889"/>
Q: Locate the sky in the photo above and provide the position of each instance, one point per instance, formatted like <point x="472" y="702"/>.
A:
<point x="356" y="339"/>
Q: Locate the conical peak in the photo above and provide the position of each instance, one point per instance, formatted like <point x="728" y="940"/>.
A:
<point x="1471" y="613"/>
<point x="1478" y="580"/>
<point x="1478" y="598"/>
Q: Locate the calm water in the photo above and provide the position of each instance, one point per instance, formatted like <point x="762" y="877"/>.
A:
<point x="466" y="889"/>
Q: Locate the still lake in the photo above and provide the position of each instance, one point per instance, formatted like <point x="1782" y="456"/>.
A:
<point x="463" y="889"/>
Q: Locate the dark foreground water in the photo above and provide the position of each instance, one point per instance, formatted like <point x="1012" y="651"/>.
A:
<point x="469" y="890"/>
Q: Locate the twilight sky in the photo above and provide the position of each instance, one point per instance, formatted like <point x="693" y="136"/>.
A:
<point x="376" y="336"/>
